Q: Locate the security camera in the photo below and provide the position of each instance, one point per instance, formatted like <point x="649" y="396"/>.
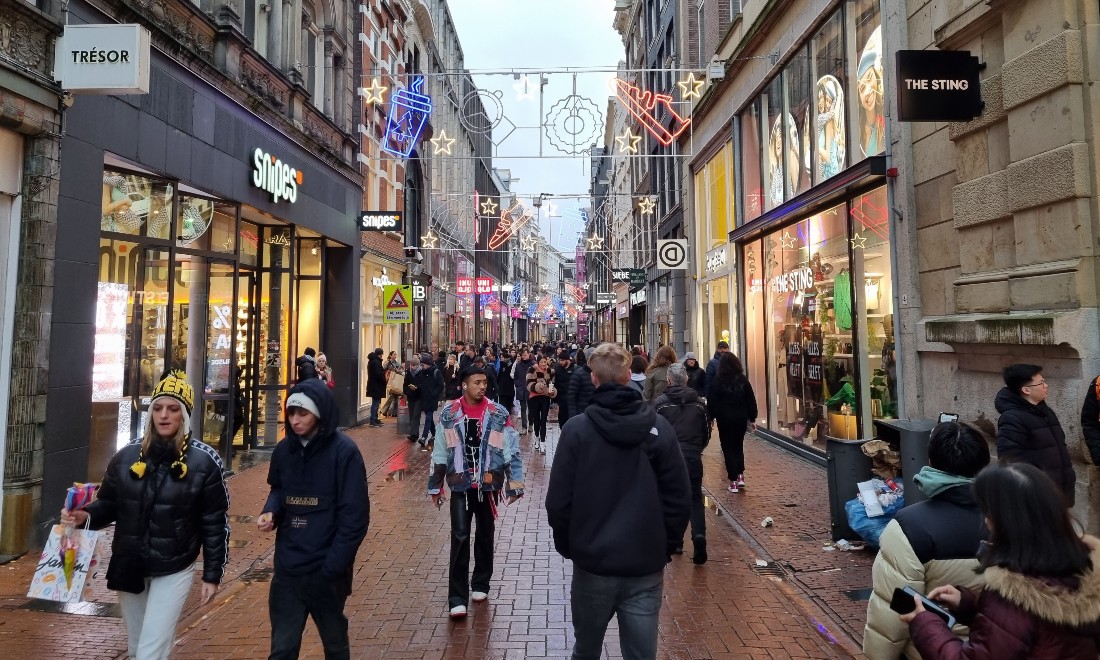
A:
<point x="413" y="254"/>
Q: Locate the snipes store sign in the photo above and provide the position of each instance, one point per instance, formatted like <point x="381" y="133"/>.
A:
<point x="276" y="177"/>
<point x="103" y="59"/>
<point x="380" y="221"/>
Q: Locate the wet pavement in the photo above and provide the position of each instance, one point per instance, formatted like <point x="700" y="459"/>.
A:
<point x="771" y="592"/>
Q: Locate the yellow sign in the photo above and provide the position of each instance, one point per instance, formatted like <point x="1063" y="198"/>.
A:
<point x="398" y="303"/>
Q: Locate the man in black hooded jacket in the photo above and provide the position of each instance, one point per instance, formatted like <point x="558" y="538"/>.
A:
<point x="581" y="388"/>
<point x="624" y="460"/>
<point x="320" y="511"/>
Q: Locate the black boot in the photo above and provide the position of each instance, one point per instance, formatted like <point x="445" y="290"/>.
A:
<point x="700" y="543"/>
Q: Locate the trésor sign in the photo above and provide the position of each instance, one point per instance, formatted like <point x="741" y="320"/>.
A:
<point x="103" y="59"/>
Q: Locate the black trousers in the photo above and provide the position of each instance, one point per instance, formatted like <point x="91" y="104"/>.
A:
<point x="540" y="409"/>
<point x="732" y="436"/>
<point x="563" y="410"/>
<point x="292" y="598"/>
<point x="695" y="478"/>
<point x="465" y="507"/>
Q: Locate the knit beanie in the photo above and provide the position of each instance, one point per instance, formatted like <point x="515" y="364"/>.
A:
<point x="175" y="385"/>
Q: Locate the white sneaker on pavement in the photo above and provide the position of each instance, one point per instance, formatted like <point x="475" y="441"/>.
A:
<point x="479" y="596"/>
<point x="458" y="612"/>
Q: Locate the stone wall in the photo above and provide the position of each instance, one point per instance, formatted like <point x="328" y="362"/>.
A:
<point x="1006" y="213"/>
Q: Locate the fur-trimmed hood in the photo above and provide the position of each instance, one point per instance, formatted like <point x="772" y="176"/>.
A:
<point x="1054" y="601"/>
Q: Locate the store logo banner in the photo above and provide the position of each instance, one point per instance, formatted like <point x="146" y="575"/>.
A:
<point x="672" y="253"/>
<point x="274" y="176"/>
<point x="381" y="221"/>
<point x="938" y="85"/>
<point x="103" y="59"/>
<point x="716" y="259"/>
<point x="464" y="286"/>
<point x="484" y="285"/>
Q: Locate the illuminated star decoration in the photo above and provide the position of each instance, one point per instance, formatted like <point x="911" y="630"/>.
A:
<point x="373" y="94"/>
<point x="529" y="243"/>
<point x="595" y="242"/>
<point x="858" y="241"/>
<point x="628" y="142"/>
<point x="488" y="207"/>
<point x="430" y="241"/>
<point x="442" y="143"/>
<point x="524" y="89"/>
<point x="787" y="241"/>
<point x="689" y="87"/>
<point x="647" y="205"/>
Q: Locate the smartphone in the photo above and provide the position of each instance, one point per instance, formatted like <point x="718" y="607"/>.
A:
<point x="902" y="603"/>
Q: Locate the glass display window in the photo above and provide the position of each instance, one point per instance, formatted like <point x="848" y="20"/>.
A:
<point x="137" y="205"/>
<point x="250" y="237"/>
<point x="868" y="88"/>
<point x="755" y="359"/>
<point x="752" y="190"/>
<point x="829" y="63"/>
<point x="205" y="224"/>
<point x="775" y="189"/>
<point x="799" y="102"/>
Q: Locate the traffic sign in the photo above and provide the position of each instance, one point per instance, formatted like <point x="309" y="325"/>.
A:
<point x="398" y="307"/>
<point x="672" y="253"/>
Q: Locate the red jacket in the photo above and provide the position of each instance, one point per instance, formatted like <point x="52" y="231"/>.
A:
<point x="1018" y="616"/>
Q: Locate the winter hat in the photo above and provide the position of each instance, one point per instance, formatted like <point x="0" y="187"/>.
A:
<point x="175" y="385"/>
<point x="302" y="400"/>
<point x="690" y="356"/>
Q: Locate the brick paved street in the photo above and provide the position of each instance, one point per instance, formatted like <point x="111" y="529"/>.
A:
<point x="728" y="608"/>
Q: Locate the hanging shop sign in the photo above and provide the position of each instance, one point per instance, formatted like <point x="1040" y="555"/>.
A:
<point x="620" y="274"/>
<point x="274" y="176"/>
<point x="716" y="259"/>
<point x="938" y="85"/>
<point x="484" y="285"/>
<point x="103" y="59"/>
<point x="464" y="286"/>
<point x="637" y="297"/>
<point x="398" y="306"/>
<point x="623" y="310"/>
<point x="605" y="298"/>
<point x="380" y="221"/>
<point x="672" y="253"/>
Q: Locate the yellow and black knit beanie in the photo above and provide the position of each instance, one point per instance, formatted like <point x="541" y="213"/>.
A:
<point x="175" y="385"/>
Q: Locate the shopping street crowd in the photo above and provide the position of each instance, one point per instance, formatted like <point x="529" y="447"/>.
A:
<point x="995" y="544"/>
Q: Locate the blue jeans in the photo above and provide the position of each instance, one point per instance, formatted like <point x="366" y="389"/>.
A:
<point x="374" y="401"/>
<point x="636" y="601"/>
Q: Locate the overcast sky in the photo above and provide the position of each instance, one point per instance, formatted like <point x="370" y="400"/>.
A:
<point x="543" y="36"/>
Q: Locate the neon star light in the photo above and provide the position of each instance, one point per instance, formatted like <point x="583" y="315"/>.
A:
<point x="373" y="94"/>
<point x="628" y="142"/>
<point x="595" y="242"/>
<point x="429" y="241"/>
<point x="442" y="143"/>
<point x="690" y="86"/>
<point x="509" y="225"/>
<point x="528" y="244"/>
<point x="787" y="241"/>
<point x="859" y="242"/>
<point x="488" y="207"/>
<point x="648" y="109"/>
<point x="647" y="205"/>
<point x="410" y="109"/>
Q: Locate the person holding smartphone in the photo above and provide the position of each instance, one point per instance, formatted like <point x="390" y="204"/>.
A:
<point x="1042" y="587"/>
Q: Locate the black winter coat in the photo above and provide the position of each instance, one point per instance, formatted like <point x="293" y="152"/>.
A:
<point x="731" y="404"/>
<point x="163" y="520"/>
<point x="318" y="496"/>
<point x="618" y="501"/>
<point x="697" y="379"/>
<point x="711" y="373"/>
<point x="376" y="376"/>
<point x="506" y="387"/>
<point x="687" y="413"/>
<point x="1029" y="433"/>
<point x="429" y="387"/>
<point x="580" y="390"/>
<point x="306" y="367"/>
<point x="519" y="377"/>
<point x="1090" y="422"/>
<point x="562" y="378"/>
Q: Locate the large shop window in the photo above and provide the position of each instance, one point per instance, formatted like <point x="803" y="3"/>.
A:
<point x="823" y="289"/>
<point x="714" y="193"/>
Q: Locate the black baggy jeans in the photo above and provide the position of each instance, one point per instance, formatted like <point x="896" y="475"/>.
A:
<point x="292" y="598"/>
<point x="465" y="508"/>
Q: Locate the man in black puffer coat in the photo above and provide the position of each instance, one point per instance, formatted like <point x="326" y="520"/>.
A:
<point x="618" y="503"/>
<point x="687" y="413"/>
<point x="376" y="384"/>
<point x="1028" y="431"/>
<point x="320" y="510"/>
<point x="580" y="387"/>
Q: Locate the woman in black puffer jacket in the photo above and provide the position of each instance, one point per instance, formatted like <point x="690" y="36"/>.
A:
<point x="167" y="498"/>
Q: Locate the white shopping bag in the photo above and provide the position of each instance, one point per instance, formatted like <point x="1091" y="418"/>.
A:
<point x="50" y="581"/>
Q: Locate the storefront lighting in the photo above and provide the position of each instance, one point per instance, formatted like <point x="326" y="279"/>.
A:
<point x="628" y="142"/>
<point x="859" y="241"/>
<point x="429" y="241"/>
<point x="373" y="94"/>
<point x="647" y="205"/>
<point x="488" y="207"/>
<point x="690" y="86"/>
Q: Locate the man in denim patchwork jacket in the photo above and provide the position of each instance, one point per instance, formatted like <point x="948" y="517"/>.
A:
<point x="477" y="453"/>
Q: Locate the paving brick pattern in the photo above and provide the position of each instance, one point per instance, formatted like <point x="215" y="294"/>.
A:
<point x="725" y="609"/>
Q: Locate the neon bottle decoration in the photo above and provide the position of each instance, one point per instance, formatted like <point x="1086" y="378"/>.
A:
<point x="410" y="109"/>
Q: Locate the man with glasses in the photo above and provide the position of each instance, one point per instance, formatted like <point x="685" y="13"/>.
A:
<point x="1028" y="431"/>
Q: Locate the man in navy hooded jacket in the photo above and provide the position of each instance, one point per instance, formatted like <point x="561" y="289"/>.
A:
<point x="320" y="510"/>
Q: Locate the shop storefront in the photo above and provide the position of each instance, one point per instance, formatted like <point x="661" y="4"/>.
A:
<point x="814" y="291"/>
<point x="374" y="333"/>
<point x="622" y="322"/>
<point x="716" y="289"/>
<point x="201" y="240"/>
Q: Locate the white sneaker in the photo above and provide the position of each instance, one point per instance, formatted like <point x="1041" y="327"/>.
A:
<point x="479" y="596"/>
<point x="537" y="446"/>
<point x="458" y="612"/>
<point x="542" y="449"/>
